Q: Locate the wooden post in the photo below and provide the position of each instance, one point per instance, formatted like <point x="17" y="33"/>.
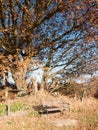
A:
<point x="8" y="107"/>
<point x="7" y="102"/>
<point x="67" y="108"/>
<point x="84" y="95"/>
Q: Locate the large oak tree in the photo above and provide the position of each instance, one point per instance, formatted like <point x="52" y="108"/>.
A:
<point x="64" y="32"/>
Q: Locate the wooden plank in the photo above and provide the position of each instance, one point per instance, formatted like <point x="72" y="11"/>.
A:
<point x="53" y="109"/>
<point x="48" y="111"/>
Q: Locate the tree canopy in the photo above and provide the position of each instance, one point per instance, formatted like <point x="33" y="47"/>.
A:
<point x="63" y="32"/>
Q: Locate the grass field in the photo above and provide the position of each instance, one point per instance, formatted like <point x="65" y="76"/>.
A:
<point x="24" y="117"/>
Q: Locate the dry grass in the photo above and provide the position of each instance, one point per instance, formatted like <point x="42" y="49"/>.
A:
<point x="85" y="113"/>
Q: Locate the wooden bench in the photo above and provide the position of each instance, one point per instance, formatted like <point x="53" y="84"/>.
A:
<point x="54" y="106"/>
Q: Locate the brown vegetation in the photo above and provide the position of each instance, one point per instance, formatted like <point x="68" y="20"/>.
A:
<point x="85" y="113"/>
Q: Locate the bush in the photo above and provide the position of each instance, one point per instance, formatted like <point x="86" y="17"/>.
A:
<point x="73" y="90"/>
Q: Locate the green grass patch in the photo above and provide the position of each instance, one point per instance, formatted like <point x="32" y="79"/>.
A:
<point x="2" y="109"/>
<point x="77" y="110"/>
<point x="33" y="113"/>
<point x="14" y="107"/>
<point x="93" y="120"/>
<point x="10" y="122"/>
<point x="18" y="106"/>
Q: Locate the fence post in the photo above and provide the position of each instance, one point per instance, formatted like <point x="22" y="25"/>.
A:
<point x="7" y="101"/>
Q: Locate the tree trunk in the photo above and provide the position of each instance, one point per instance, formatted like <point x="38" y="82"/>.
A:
<point x="19" y="75"/>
